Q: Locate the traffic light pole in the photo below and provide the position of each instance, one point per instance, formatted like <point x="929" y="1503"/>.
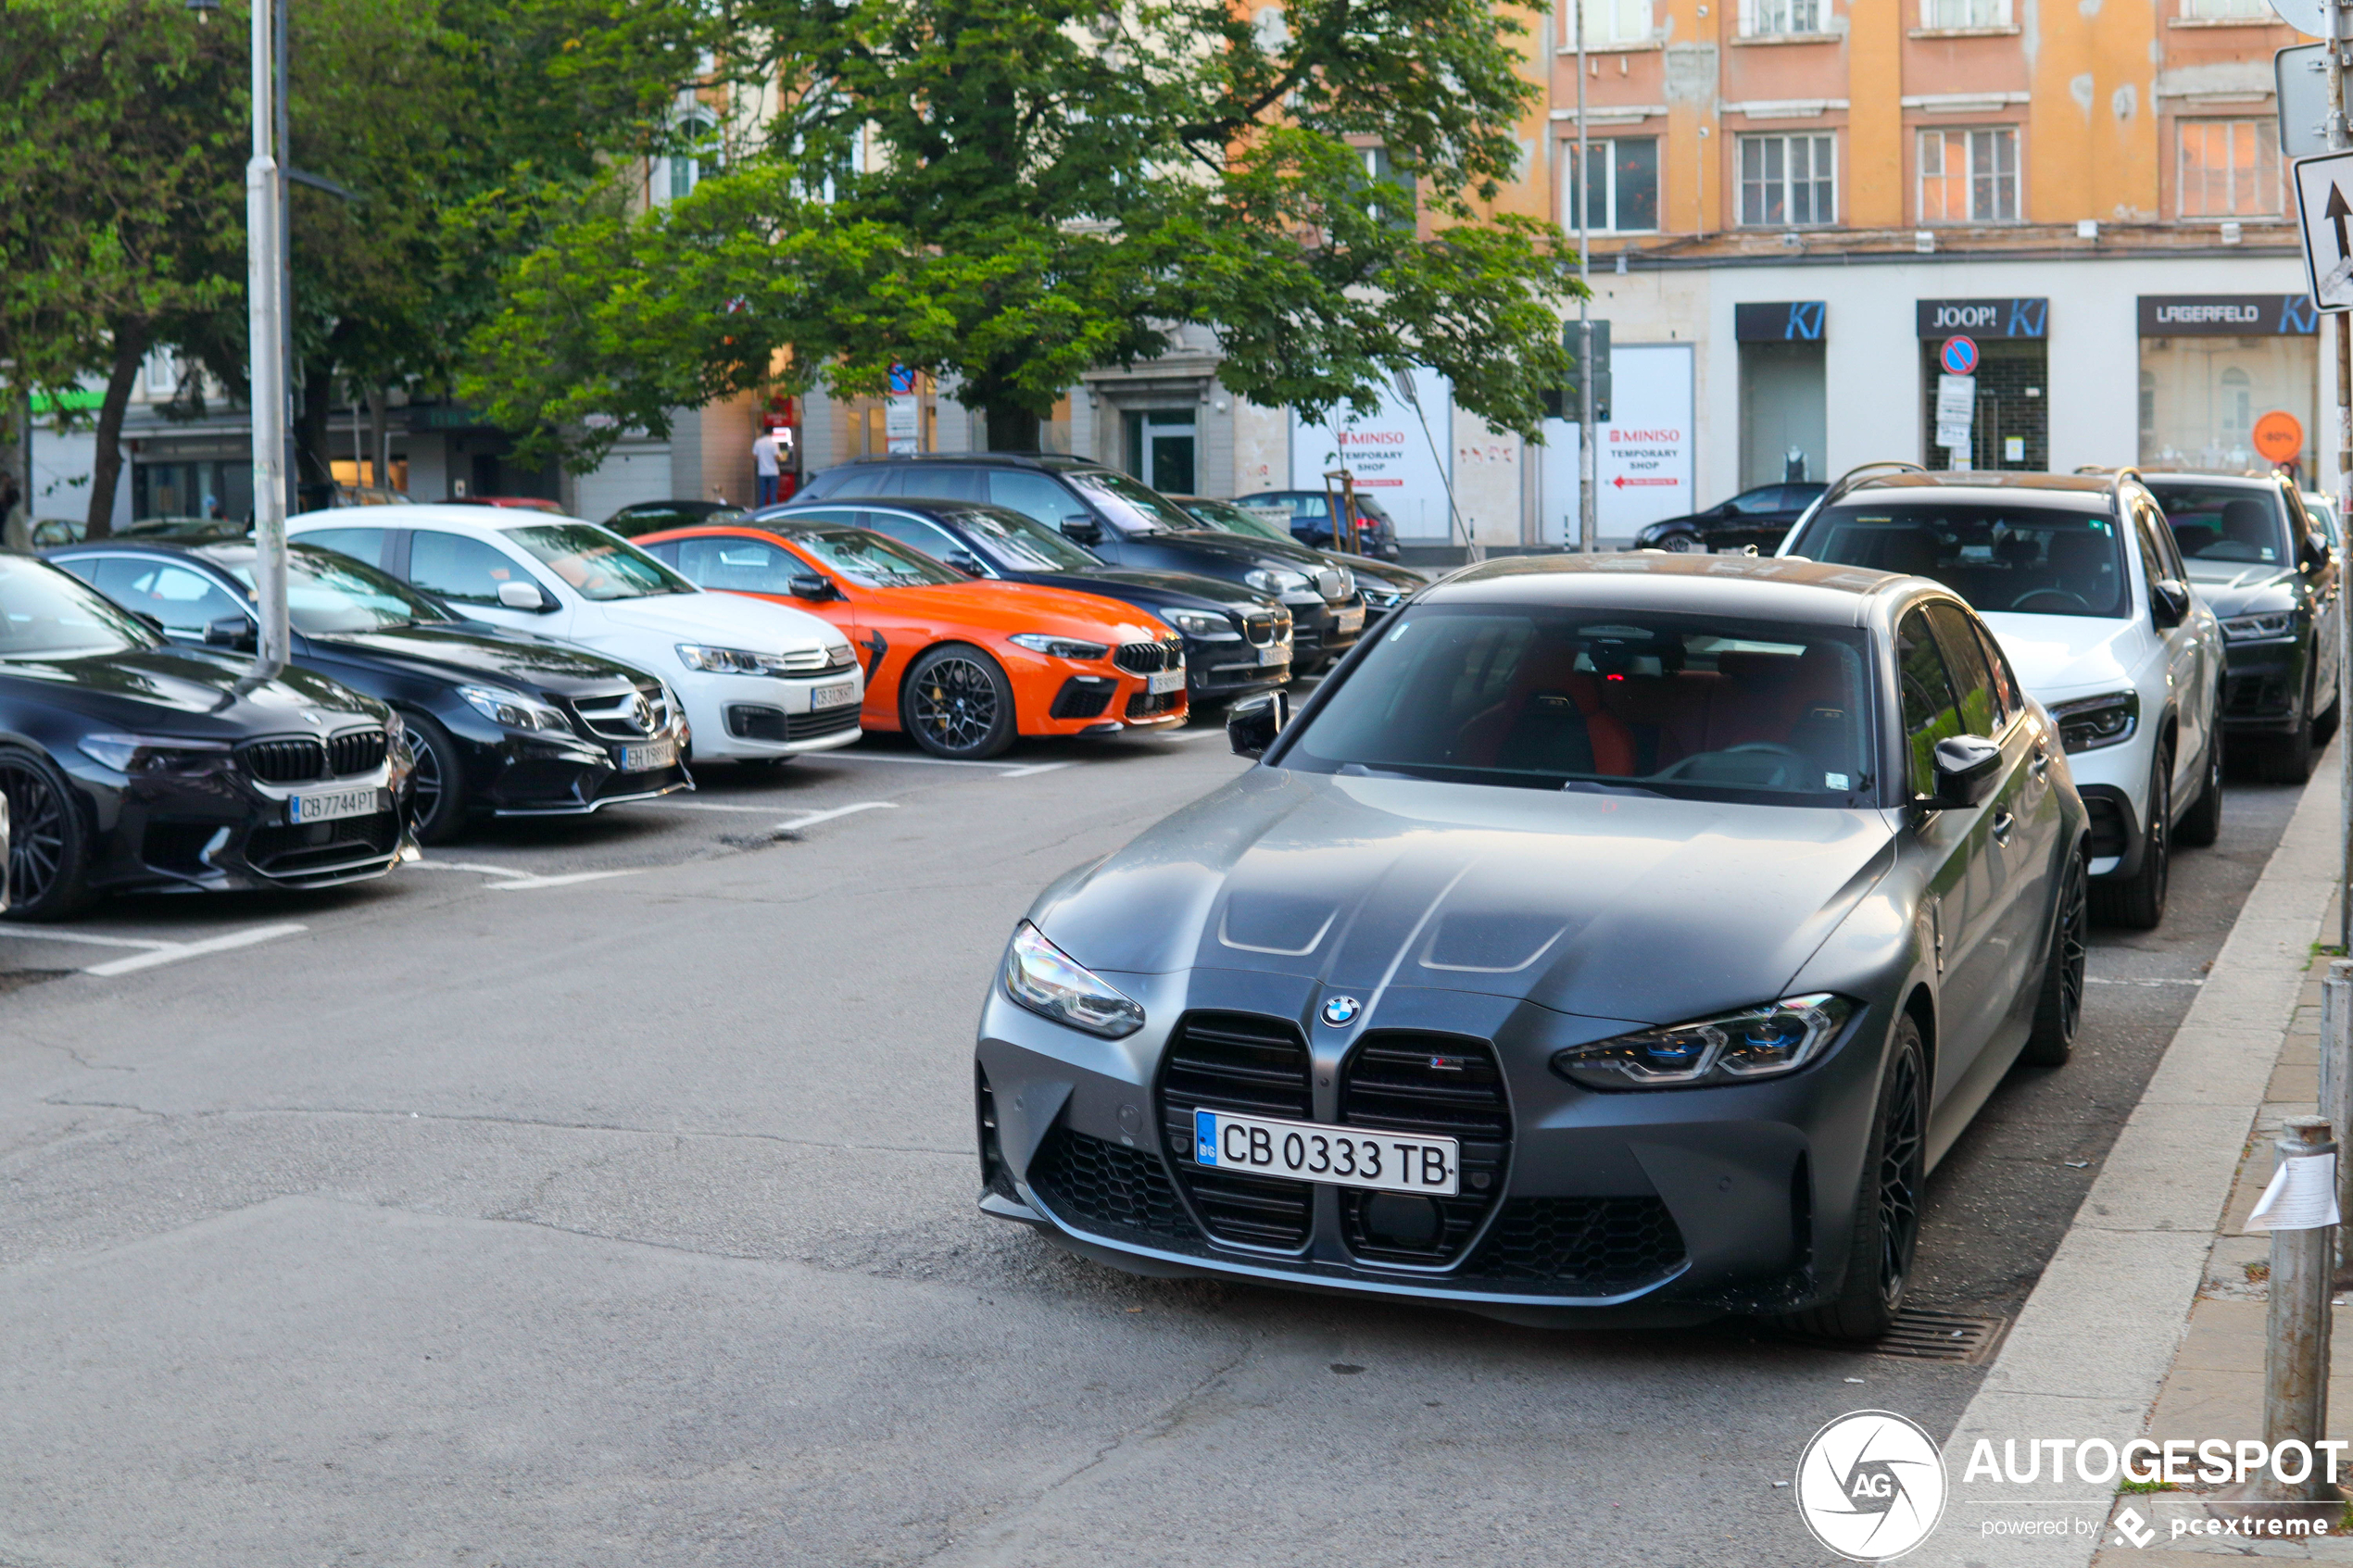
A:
<point x="1587" y="526"/>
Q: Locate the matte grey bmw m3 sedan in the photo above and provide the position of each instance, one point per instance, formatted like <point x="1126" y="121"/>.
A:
<point x="1611" y="939"/>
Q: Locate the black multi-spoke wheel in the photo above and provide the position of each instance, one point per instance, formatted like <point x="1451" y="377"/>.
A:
<point x="1886" y="1231"/>
<point x="436" y="781"/>
<point x="2058" y="1008"/>
<point x="957" y="702"/>
<point x="48" y="848"/>
<point x="1680" y="542"/>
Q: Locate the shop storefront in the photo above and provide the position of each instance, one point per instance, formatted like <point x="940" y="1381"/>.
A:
<point x="1784" y="402"/>
<point x="2213" y="366"/>
<point x="1984" y="380"/>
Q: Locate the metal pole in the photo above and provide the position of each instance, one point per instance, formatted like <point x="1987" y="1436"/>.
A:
<point x="2336" y="1080"/>
<point x="1588" y="524"/>
<point x="266" y="346"/>
<point x="2296" y="1358"/>
<point x="282" y="54"/>
<point x="2337" y="141"/>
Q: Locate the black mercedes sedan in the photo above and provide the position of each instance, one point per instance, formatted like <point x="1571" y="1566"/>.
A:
<point x="500" y="723"/>
<point x="1613" y="940"/>
<point x="131" y="764"/>
<point x="1236" y="642"/>
<point x="1384" y="584"/>
<point x="1126" y="522"/>
<point x="2265" y="568"/>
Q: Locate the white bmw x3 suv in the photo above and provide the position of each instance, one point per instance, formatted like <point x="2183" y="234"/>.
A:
<point x="2081" y="580"/>
<point x="759" y="682"/>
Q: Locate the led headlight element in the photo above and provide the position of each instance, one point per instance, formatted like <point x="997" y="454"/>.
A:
<point x="1058" y="647"/>
<point x="2090" y="722"/>
<point x="154" y="754"/>
<point x="1762" y="1042"/>
<point x="1047" y="980"/>
<point x="1275" y="580"/>
<point x="732" y="661"/>
<point x="513" y="710"/>
<point x="1201" y="623"/>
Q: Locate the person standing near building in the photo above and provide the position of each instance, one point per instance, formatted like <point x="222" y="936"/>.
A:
<point x="764" y="458"/>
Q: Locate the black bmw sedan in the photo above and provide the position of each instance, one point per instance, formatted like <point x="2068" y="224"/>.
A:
<point x="129" y="764"/>
<point x="1236" y="642"/>
<point x="500" y="723"/>
<point x="1613" y="940"/>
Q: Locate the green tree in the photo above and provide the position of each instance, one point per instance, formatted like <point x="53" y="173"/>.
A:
<point x="1012" y="191"/>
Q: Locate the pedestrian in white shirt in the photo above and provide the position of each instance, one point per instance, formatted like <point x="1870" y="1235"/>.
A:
<point x="764" y="459"/>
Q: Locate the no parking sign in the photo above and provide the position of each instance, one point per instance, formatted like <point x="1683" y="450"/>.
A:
<point x="1958" y="356"/>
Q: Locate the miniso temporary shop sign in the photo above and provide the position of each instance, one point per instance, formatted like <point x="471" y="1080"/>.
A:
<point x="1389" y="453"/>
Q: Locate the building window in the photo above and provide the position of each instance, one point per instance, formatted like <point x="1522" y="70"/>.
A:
<point x="1608" y="22"/>
<point x="1969" y="176"/>
<point x="2227" y="10"/>
<point x="1787" y="182"/>
<point x="1769" y="19"/>
<point x="683" y="171"/>
<point x="2230" y="168"/>
<point x="1624" y="191"/>
<point x="1943" y="13"/>
<point x="1389" y="189"/>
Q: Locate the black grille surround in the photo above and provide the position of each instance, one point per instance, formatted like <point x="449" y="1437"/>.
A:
<point x="1256" y="1066"/>
<point x="831" y="721"/>
<point x="1151" y="705"/>
<point x="292" y="759"/>
<point x="2258" y="695"/>
<point x="1582" y="1245"/>
<point x="1441" y="1084"/>
<point x="1150" y="658"/>
<point x="1101" y="1187"/>
<point x="1083" y="696"/>
<point x="356" y="751"/>
<point x="292" y="852"/>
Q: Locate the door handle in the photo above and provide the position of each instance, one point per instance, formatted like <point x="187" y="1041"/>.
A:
<point x="2041" y="766"/>
<point x="2003" y="822"/>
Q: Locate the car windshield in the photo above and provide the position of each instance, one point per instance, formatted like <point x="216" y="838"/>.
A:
<point x="873" y="560"/>
<point x="328" y="593"/>
<point x="1232" y="518"/>
<point x="1133" y="507"/>
<point x="600" y="566"/>
<point x="2222" y="529"/>
<point x="47" y="614"/>
<point x="1023" y="542"/>
<point x="2023" y="560"/>
<point x="1680" y="706"/>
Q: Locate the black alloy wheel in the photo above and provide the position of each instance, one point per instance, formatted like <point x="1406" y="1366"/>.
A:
<point x="2289" y="759"/>
<point x="48" y="848"/>
<point x="2137" y="902"/>
<point x="2202" y="823"/>
<point x="436" y="781"/>
<point x="1901" y="1171"/>
<point x="958" y="703"/>
<point x="2058" y="1006"/>
<point x="1681" y="544"/>
<point x="1884" y="1235"/>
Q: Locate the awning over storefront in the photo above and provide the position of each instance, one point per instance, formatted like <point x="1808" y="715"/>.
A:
<point x="1790" y="321"/>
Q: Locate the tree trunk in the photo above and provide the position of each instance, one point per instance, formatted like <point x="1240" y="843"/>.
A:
<point x="314" y="464"/>
<point x="106" y="464"/>
<point x="1012" y="428"/>
<point x="380" y="436"/>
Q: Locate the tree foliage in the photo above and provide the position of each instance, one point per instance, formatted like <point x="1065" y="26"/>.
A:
<point x="1010" y="193"/>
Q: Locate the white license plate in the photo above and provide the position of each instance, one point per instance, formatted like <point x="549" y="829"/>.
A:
<point x="1309" y="1151"/>
<point x="328" y="805"/>
<point x="1166" y="681"/>
<point x="833" y="697"/>
<point x="1351" y="619"/>
<point x="646" y="758"/>
<point x="1276" y="655"/>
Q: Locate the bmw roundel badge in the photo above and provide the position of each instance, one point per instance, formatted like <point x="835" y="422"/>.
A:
<point x="1340" y="1011"/>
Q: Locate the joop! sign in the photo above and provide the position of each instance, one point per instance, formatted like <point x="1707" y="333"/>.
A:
<point x="1984" y="317"/>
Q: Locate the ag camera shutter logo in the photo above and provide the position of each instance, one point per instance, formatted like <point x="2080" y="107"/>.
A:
<point x="1870" y="1486"/>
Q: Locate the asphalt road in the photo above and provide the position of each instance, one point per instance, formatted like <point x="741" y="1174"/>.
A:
<point x="603" y="1193"/>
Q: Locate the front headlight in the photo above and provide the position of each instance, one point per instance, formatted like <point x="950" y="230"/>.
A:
<point x="732" y="661"/>
<point x="2266" y="627"/>
<point x="2090" y="722"/>
<point x="514" y="710"/>
<point x="1207" y="624"/>
<point x="1046" y="980"/>
<point x="1763" y="1042"/>
<point x="1059" y="647"/>
<point x="155" y="754"/>
<point x="1275" y="580"/>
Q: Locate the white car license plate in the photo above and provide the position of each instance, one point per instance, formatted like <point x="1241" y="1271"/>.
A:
<point x="1351" y="619"/>
<point x="1165" y="681"/>
<point x="1309" y="1151"/>
<point x="646" y="758"/>
<point x="1273" y="655"/>
<point x="327" y="805"/>
<point x="833" y="697"/>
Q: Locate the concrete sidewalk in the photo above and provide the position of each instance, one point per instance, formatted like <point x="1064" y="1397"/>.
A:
<point x="2146" y="1319"/>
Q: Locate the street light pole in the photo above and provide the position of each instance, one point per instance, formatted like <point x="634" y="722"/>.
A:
<point x="266" y="338"/>
<point x="1588" y="525"/>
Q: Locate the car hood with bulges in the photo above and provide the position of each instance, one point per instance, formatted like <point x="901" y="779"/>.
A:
<point x="1035" y="608"/>
<point x="2235" y="587"/>
<point x="2064" y="656"/>
<point x="1624" y="907"/>
<point x="719" y="620"/>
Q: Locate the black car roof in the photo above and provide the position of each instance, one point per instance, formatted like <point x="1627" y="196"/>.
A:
<point x="1056" y="462"/>
<point x="1764" y="587"/>
<point x="936" y="505"/>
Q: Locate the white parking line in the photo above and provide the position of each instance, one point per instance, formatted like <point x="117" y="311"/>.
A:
<point x="1008" y="770"/>
<point x="150" y="953"/>
<point x="1195" y="735"/>
<point x="813" y="818"/>
<point x="563" y="880"/>
<point x="703" y="805"/>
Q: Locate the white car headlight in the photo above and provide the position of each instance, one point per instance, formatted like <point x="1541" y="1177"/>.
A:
<point x="1200" y="624"/>
<point x="1059" y="647"/>
<point x="1275" y="580"/>
<point x="1047" y="982"/>
<point x="155" y="754"/>
<point x="514" y="710"/>
<point x="732" y="661"/>
<point x="2090" y="722"/>
<point x="1761" y="1042"/>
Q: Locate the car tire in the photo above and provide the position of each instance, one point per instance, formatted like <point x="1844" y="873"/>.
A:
<point x="1884" y="1237"/>
<point x="2137" y="902"/>
<point x="1681" y="544"/>
<point x="436" y="782"/>
<point x="49" y="842"/>
<point x="2290" y="759"/>
<point x="2202" y="823"/>
<point x="957" y="702"/>
<point x="2058" y="1004"/>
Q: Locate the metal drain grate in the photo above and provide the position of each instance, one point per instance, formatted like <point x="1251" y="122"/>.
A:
<point x="1940" y="1337"/>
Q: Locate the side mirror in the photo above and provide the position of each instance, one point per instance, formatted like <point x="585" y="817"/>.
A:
<point x="809" y="585"/>
<point x="1252" y="723"/>
<point x="525" y="596"/>
<point x="2169" y="601"/>
<point x="229" y="632"/>
<point x="1084" y="530"/>
<point x="1967" y="766"/>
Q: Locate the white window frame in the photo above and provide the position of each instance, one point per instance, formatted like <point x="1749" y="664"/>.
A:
<point x="1975" y="142"/>
<point x="1818" y="143"/>
<point x="2227" y="10"/>
<point x="667" y="169"/>
<point x="1610" y="23"/>
<point x="2266" y="133"/>
<point x="1603" y="153"/>
<point x="1789" y="18"/>
<point x="1947" y="16"/>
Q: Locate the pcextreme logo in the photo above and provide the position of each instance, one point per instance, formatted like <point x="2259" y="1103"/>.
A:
<point x="1870" y="1486"/>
